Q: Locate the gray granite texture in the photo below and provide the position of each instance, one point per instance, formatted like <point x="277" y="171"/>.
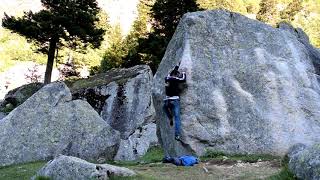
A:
<point x="251" y="88"/>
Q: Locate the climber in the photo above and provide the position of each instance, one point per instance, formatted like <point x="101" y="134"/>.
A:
<point x="172" y="101"/>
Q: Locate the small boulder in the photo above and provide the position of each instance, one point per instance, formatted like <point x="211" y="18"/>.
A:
<point x="72" y="168"/>
<point x="304" y="161"/>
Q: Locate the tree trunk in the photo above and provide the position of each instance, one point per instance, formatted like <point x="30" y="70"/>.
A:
<point x="51" y="52"/>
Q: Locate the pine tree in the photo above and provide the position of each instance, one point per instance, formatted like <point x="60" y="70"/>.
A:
<point x="69" y="23"/>
<point x="113" y="56"/>
<point x="207" y="4"/>
<point x="231" y="5"/>
<point x="291" y="10"/>
<point x="140" y="30"/>
<point x="166" y="15"/>
<point x="267" y="12"/>
<point x="124" y="50"/>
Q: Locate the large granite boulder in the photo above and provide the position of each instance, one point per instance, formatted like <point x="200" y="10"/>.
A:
<point x="50" y="123"/>
<point x="251" y="88"/>
<point x="72" y="168"/>
<point x="2" y="115"/>
<point x="304" y="161"/>
<point x="123" y="98"/>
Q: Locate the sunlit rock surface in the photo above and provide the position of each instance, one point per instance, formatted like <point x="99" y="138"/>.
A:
<point x="304" y="161"/>
<point x="251" y="88"/>
<point x="72" y="168"/>
<point x="123" y="98"/>
<point x="49" y="123"/>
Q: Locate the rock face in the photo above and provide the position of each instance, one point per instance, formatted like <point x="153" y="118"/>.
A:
<point x="138" y="143"/>
<point x="49" y="123"/>
<point x="123" y="98"/>
<point x="305" y="162"/>
<point x="2" y="115"/>
<point x="18" y="95"/>
<point x="251" y="88"/>
<point x="72" y="168"/>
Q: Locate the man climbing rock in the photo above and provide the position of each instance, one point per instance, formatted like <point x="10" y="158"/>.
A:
<point x="172" y="101"/>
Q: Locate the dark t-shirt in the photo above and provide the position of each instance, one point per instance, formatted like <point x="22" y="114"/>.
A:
<point x="173" y="84"/>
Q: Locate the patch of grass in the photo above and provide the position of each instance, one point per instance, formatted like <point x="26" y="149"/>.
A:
<point x="254" y="157"/>
<point x="213" y="154"/>
<point x="251" y="158"/>
<point x="43" y="178"/>
<point x="137" y="177"/>
<point x="154" y="154"/>
<point x="21" y="171"/>
<point x="285" y="173"/>
<point x="7" y="109"/>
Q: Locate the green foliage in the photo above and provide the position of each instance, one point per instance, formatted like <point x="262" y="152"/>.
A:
<point x="268" y="12"/>
<point x="125" y="52"/>
<point x="213" y="154"/>
<point x="285" y="173"/>
<point x="139" y="31"/>
<point x="291" y="10"/>
<point x="90" y="56"/>
<point x="21" y="171"/>
<point x="61" y="23"/>
<point x="166" y="15"/>
<point x="231" y="5"/>
<point x="252" y="6"/>
<point x="15" y="48"/>
<point x="154" y="155"/>
<point x="8" y="108"/>
<point x="114" y="55"/>
<point x="308" y="19"/>
<point x="42" y="178"/>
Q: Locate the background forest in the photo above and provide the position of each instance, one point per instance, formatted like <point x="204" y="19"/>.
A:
<point x="152" y="30"/>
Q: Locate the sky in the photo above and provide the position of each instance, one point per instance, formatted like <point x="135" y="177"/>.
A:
<point x="119" y="11"/>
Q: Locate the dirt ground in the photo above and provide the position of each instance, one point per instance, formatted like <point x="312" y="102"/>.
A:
<point x="213" y="169"/>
